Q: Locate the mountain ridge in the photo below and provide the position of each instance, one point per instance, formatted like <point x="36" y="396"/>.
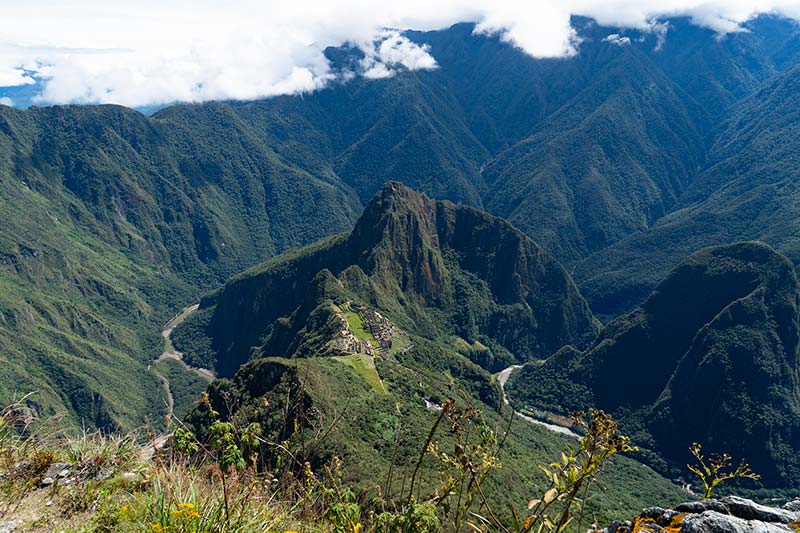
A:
<point x="410" y="256"/>
<point x="711" y="356"/>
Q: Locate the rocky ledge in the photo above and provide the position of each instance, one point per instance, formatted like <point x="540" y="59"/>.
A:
<point x="730" y="514"/>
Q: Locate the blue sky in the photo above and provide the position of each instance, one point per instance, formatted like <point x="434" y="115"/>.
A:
<point x="153" y="52"/>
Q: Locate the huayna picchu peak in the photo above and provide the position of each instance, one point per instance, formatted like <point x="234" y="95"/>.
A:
<point x="434" y="268"/>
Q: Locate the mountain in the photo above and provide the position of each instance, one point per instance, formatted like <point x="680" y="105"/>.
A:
<point x="719" y="72"/>
<point x="609" y="163"/>
<point x="436" y="269"/>
<point x="366" y="132"/>
<point x="353" y="343"/>
<point x="747" y="192"/>
<point x="110" y="219"/>
<point x="711" y="356"/>
<point x="613" y="160"/>
<point x="617" y="155"/>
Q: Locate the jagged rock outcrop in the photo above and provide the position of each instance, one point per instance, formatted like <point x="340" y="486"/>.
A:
<point x="730" y="514"/>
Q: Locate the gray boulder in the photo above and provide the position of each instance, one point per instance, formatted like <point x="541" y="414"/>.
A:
<point x="730" y="514"/>
<point x="714" y="522"/>
<point x="793" y="506"/>
<point x="750" y="510"/>
<point x="661" y="517"/>
<point x="699" y="507"/>
<point x="58" y="470"/>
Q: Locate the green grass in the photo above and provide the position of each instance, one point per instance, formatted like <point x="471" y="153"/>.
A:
<point x="356" y="325"/>
<point x="376" y="434"/>
<point x="364" y="365"/>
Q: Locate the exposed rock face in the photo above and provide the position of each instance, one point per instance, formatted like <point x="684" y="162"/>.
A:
<point x="714" y="522"/>
<point x="730" y="514"/>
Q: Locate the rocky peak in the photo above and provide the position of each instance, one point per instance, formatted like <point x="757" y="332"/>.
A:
<point x="397" y="235"/>
<point x="431" y="267"/>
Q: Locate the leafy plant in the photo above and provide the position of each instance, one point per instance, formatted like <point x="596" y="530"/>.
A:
<point x="462" y="472"/>
<point x="576" y="470"/>
<point x="716" y="469"/>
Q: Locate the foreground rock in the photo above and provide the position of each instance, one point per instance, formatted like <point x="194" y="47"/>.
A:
<point x="730" y="514"/>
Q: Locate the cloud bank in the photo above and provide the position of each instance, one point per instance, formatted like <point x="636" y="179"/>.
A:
<point x="160" y="51"/>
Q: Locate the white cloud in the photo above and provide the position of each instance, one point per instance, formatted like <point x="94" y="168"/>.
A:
<point x="391" y="49"/>
<point x="617" y="39"/>
<point x="12" y="76"/>
<point x="5" y="100"/>
<point x="158" y="51"/>
<point x="541" y="29"/>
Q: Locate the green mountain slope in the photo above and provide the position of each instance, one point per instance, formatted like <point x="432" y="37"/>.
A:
<point x="359" y="337"/>
<point x="365" y="132"/>
<point x="747" y="192"/>
<point x="711" y="356"/>
<point x="377" y="435"/>
<point x="114" y="220"/>
<point x="110" y="220"/>
<point x="609" y="163"/>
<point x="436" y="269"/>
<point x="718" y="73"/>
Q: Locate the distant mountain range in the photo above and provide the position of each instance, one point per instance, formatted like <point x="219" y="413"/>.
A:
<point x="615" y="165"/>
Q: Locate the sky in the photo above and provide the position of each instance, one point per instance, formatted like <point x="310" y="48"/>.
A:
<point x="152" y="52"/>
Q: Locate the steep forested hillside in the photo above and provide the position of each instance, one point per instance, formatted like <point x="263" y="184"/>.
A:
<point x="711" y="356"/>
<point x="620" y="161"/>
<point x="113" y="220"/>
<point x="440" y="271"/>
<point x="748" y="191"/>
<point x="611" y="162"/>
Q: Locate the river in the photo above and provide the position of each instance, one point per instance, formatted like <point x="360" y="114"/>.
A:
<point x="502" y="378"/>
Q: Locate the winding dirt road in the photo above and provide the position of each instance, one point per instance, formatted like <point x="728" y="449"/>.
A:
<point x="171" y="353"/>
<point x="169" y="350"/>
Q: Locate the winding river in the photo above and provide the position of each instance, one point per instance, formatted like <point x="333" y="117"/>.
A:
<point x="502" y="378"/>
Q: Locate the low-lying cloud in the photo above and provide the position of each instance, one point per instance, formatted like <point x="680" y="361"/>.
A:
<point x="160" y="51"/>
